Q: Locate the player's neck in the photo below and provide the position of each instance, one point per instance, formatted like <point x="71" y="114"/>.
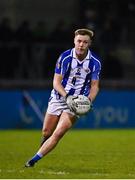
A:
<point x="81" y="57"/>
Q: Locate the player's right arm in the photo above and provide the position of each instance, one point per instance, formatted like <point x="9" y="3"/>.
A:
<point x="60" y="89"/>
<point x="60" y="70"/>
<point x="57" y="84"/>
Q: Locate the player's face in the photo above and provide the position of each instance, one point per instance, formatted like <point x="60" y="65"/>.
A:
<point x="82" y="43"/>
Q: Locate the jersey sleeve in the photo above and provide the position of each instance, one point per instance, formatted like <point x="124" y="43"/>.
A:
<point x="61" y="65"/>
<point x="58" y="66"/>
<point x="96" y="71"/>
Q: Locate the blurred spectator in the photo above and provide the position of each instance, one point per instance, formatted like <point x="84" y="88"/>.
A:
<point x="24" y="32"/>
<point x="111" y="67"/>
<point x="6" y="31"/>
<point x="59" y="33"/>
<point x="24" y="37"/>
<point x="131" y="22"/>
<point x="70" y="33"/>
<point x="40" y="32"/>
<point x="6" y="53"/>
<point x="38" y="61"/>
<point x="111" y="33"/>
<point x="90" y="19"/>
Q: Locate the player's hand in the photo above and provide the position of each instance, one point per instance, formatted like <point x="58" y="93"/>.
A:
<point x="70" y="102"/>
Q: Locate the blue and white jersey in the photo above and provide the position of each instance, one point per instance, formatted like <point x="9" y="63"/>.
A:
<point x="77" y="75"/>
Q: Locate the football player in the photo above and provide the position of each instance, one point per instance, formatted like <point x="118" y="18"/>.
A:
<point x="76" y="73"/>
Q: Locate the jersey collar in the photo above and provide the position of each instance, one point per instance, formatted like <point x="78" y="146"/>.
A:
<point x="88" y="57"/>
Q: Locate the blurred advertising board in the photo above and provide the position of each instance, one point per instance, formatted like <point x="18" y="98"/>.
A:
<point x="25" y="109"/>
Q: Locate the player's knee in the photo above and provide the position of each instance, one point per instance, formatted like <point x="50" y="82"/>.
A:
<point x="46" y="132"/>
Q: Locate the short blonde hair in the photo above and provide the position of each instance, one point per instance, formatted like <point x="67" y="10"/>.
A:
<point x="84" y="32"/>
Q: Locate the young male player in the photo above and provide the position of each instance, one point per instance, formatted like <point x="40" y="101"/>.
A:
<point x="77" y="72"/>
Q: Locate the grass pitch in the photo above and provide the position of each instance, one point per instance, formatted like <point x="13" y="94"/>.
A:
<point x="90" y="154"/>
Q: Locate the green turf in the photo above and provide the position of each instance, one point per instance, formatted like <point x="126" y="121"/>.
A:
<point x="81" y="154"/>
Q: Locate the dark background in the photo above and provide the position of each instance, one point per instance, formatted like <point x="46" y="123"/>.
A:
<point x="33" y="33"/>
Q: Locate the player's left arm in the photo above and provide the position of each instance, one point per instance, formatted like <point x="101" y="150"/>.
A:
<point x="94" y="89"/>
<point x="94" y="86"/>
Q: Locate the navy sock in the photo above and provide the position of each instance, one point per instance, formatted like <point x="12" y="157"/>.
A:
<point x="36" y="158"/>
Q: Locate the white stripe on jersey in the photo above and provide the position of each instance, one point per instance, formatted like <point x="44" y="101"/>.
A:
<point x="78" y="72"/>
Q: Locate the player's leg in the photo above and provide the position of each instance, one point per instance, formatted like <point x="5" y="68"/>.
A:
<point x="66" y="121"/>
<point x="50" y="123"/>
